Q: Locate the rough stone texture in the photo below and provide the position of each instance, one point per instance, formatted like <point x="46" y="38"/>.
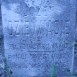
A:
<point x="1" y="47"/>
<point x="38" y="34"/>
<point x="75" y="46"/>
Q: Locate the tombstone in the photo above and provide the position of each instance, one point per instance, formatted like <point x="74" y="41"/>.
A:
<point x="38" y="35"/>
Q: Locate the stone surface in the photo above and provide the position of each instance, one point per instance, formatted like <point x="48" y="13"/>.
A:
<point x="1" y="46"/>
<point x="38" y="34"/>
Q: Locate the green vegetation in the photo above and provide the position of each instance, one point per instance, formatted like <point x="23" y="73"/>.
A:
<point x="54" y="71"/>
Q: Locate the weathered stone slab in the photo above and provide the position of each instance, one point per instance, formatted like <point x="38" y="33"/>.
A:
<point x="38" y="35"/>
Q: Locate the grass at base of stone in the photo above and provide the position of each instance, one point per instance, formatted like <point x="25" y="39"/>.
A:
<point x="54" y="74"/>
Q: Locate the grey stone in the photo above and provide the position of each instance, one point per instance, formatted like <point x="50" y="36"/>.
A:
<point x="38" y="34"/>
